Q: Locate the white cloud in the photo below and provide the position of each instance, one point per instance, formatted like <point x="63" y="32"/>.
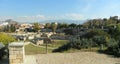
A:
<point x="36" y="18"/>
<point x="40" y="16"/>
<point x="33" y="17"/>
<point x="74" y="16"/>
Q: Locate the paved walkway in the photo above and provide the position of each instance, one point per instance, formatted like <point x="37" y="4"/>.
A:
<point x="30" y="59"/>
<point x="71" y="58"/>
<point x="76" y="58"/>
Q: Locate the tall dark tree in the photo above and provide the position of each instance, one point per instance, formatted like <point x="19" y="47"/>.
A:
<point x="12" y="28"/>
<point x="36" y="27"/>
<point x="96" y="32"/>
<point x="47" y="25"/>
<point x="53" y="27"/>
<point x="73" y="25"/>
<point x="62" y="25"/>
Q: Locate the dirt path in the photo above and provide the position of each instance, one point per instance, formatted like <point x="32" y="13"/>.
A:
<point x="76" y="58"/>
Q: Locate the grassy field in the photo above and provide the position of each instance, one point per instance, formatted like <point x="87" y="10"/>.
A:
<point x="57" y="43"/>
<point x="31" y="49"/>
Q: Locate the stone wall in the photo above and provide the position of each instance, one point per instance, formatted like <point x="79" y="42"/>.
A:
<point x="39" y="42"/>
<point x="16" y="53"/>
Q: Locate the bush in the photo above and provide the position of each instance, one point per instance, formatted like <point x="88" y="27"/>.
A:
<point x="113" y="48"/>
<point x="65" y="47"/>
<point x="2" y="52"/>
<point x="96" y="32"/>
<point x="75" y="44"/>
<point x="68" y="31"/>
<point x="5" y="39"/>
<point x="112" y="42"/>
<point x="99" y="40"/>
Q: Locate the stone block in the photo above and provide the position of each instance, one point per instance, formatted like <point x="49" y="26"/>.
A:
<point x="16" y="53"/>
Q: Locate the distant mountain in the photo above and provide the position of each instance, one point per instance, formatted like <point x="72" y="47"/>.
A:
<point x="10" y="21"/>
<point x="64" y="21"/>
<point x="59" y="21"/>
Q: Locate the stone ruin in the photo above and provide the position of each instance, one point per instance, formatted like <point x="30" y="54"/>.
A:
<point x="16" y="53"/>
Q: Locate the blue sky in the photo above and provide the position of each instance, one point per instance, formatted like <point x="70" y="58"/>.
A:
<point x="39" y="10"/>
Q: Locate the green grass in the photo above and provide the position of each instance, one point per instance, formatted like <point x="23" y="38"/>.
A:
<point x="31" y="49"/>
<point x="57" y="43"/>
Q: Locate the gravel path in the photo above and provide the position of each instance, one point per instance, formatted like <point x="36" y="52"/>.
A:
<point x="30" y="59"/>
<point x="76" y="58"/>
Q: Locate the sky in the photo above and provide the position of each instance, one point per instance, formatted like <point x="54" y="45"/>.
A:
<point x="40" y="10"/>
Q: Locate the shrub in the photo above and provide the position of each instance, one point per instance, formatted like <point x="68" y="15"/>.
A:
<point x="99" y="40"/>
<point x="75" y="44"/>
<point x="113" y="48"/>
<point x="96" y="32"/>
<point x="5" y="39"/>
<point x="65" y="47"/>
<point x="2" y="52"/>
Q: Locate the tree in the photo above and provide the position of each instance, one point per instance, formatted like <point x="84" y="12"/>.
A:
<point x="68" y="31"/>
<point x="73" y="25"/>
<point x="47" y="25"/>
<point x="113" y="48"/>
<point x="114" y="30"/>
<point x="53" y="27"/>
<point x="5" y="39"/>
<point x="112" y="42"/>
<point x="80" y="26"/>
<point x="36" y="27"/>
<point x="100" y="41"/>
<point x="96" y="32"/>
<point x="9" y="28"/>
<point x="2" y="52"/>
<point x="62" y="25"/>
<point x="116" y="33"/>
<point x="89" y="23"/>
<point x="12" y="28"/>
